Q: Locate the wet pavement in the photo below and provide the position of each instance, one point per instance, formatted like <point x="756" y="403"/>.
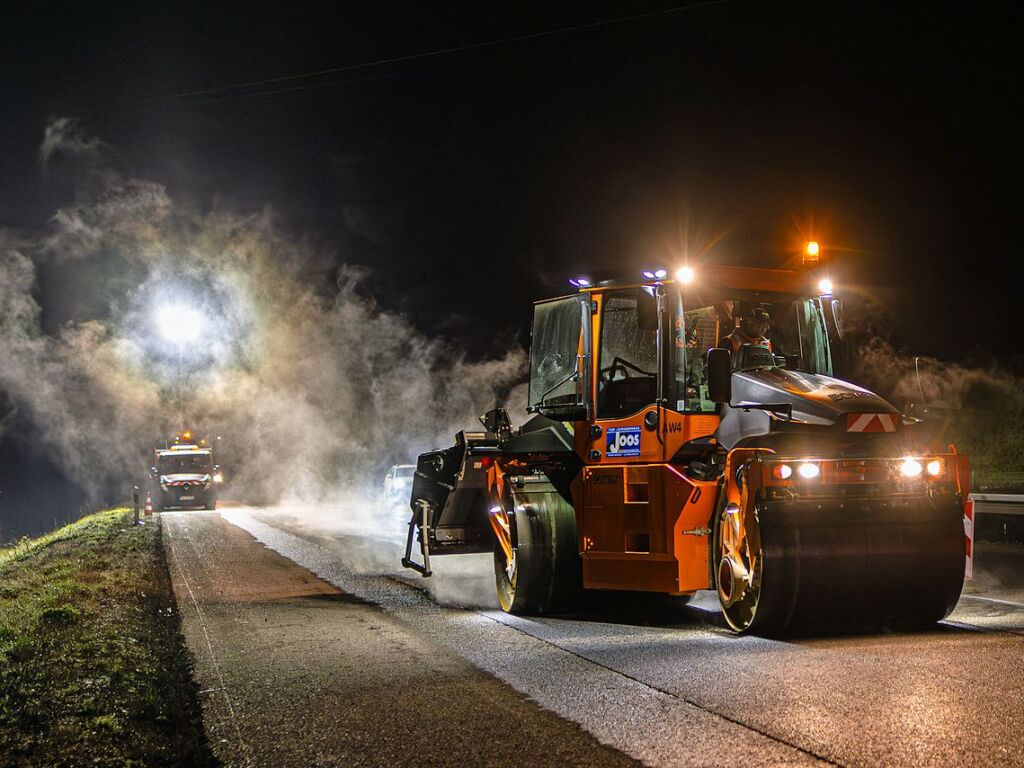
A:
<point x="668" y="685"/>
<point x="294" y="671"/>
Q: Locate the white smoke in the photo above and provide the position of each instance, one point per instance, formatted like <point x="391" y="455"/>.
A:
<point x="314" y="391"/>
<point x="981" y="409"/>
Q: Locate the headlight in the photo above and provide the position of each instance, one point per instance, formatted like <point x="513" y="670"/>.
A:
<point x="936" y="467"/>
<point x="218" y="477"/>
<point x="910" y="468"/>
<point x="809" y="470"/>
<point x="783" y="471"/>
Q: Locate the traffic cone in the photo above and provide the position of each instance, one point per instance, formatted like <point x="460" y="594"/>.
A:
<point x="149" y="503"/>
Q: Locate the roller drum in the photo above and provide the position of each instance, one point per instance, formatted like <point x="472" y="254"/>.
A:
<point x="859" y="564"/>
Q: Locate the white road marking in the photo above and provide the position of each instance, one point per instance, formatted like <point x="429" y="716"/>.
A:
<point x="213" y="657"/>
<point x="992" y="600"/>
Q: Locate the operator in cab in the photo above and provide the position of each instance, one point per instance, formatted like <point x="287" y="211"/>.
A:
<point x="751" y="329"/>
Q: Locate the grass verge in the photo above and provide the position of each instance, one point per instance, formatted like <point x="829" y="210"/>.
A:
<point x="93" y="668"/>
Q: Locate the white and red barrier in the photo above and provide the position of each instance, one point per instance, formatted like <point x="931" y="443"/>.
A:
<point x="149" y="503"/>
<point x="969" y="538"/>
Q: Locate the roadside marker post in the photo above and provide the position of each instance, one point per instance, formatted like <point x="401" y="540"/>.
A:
<point x="969" y="539"/>
<point x="135" y="504"/>
<point x="149" y="503"/>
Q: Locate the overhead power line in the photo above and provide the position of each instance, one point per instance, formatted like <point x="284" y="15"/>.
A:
<point x="301" y="81"/>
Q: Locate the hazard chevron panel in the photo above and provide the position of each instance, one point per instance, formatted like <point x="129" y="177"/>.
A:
<point x="872" y="422"/>
<point x="969" y="539"/>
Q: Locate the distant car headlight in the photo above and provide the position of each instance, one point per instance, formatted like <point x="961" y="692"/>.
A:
<point x="218" y="477"/>
<point x="910" y="467"/>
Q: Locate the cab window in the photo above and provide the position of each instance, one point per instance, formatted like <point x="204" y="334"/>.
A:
<point x="628" y="357"/>
<point x="695" y="332"/>
<point x="554" y="352"/>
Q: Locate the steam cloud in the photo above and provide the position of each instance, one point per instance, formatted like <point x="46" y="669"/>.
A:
<point x="314" y="395"/>
<point x="983" y="406"/>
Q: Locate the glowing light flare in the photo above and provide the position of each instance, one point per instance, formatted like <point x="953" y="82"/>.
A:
<point x="812" y="250"/>
<point x="783" y="471"/>
<point x="655" y="274"/>
<point x="935" y="467"/>
<point x="825" y="286"/>
<point x="685" y="275"/>
<point x="580" y="282"/>
<point x="809" y="470"/>
<point x="910" y="467"/>
<point x="179" y="324"/>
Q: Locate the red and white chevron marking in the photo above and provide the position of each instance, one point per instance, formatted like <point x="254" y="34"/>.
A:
<point x="969" y="539"/>
<point x="871" y="422"/>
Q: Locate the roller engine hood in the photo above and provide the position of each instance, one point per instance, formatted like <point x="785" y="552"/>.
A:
<point x="815" y="399"/>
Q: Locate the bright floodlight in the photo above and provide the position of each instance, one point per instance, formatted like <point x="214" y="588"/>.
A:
<point x="685" y="275"/>
<point x="825" y="286"/>
<point x="179" y="324"/>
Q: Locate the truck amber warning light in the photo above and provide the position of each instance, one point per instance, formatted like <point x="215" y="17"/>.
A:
<point x="685" y="440"/>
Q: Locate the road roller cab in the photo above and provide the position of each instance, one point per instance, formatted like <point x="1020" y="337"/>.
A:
<point x="671" y="451"/>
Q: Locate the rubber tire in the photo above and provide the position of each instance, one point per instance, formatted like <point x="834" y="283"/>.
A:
<point x="549" y="571"/>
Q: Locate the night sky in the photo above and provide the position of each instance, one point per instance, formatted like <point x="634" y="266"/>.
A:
<point x="474" y="181"/>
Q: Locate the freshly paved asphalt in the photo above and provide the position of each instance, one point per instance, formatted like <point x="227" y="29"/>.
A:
<point x="672" y="686"/>
<point x="296" y="672"/>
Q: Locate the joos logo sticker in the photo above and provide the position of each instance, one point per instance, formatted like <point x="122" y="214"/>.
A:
<point x="623" y="441"/>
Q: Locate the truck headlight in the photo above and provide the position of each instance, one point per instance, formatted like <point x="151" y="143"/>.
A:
<point x="936" y="467"/>
<point x="218" y="477"/>
<point x="910" y="467"/>
<point x="783" y="471"/>
<point x="809" y="470"/>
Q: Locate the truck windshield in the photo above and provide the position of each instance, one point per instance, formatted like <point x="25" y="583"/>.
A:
<point x="794" y="337"/>
<point x="190" y="464"/>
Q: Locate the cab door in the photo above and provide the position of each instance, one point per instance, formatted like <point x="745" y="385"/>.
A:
<point x="624" y="544"/>
<point x="628" y="378"/>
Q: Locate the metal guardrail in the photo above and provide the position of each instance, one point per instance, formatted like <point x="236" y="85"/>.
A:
<point x="998" y="504"/>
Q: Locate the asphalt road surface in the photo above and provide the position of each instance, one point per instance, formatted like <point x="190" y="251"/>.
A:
<point x="313" y="647"/>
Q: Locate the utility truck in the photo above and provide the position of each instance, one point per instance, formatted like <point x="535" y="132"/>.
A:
<point x="184" y="474"/>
